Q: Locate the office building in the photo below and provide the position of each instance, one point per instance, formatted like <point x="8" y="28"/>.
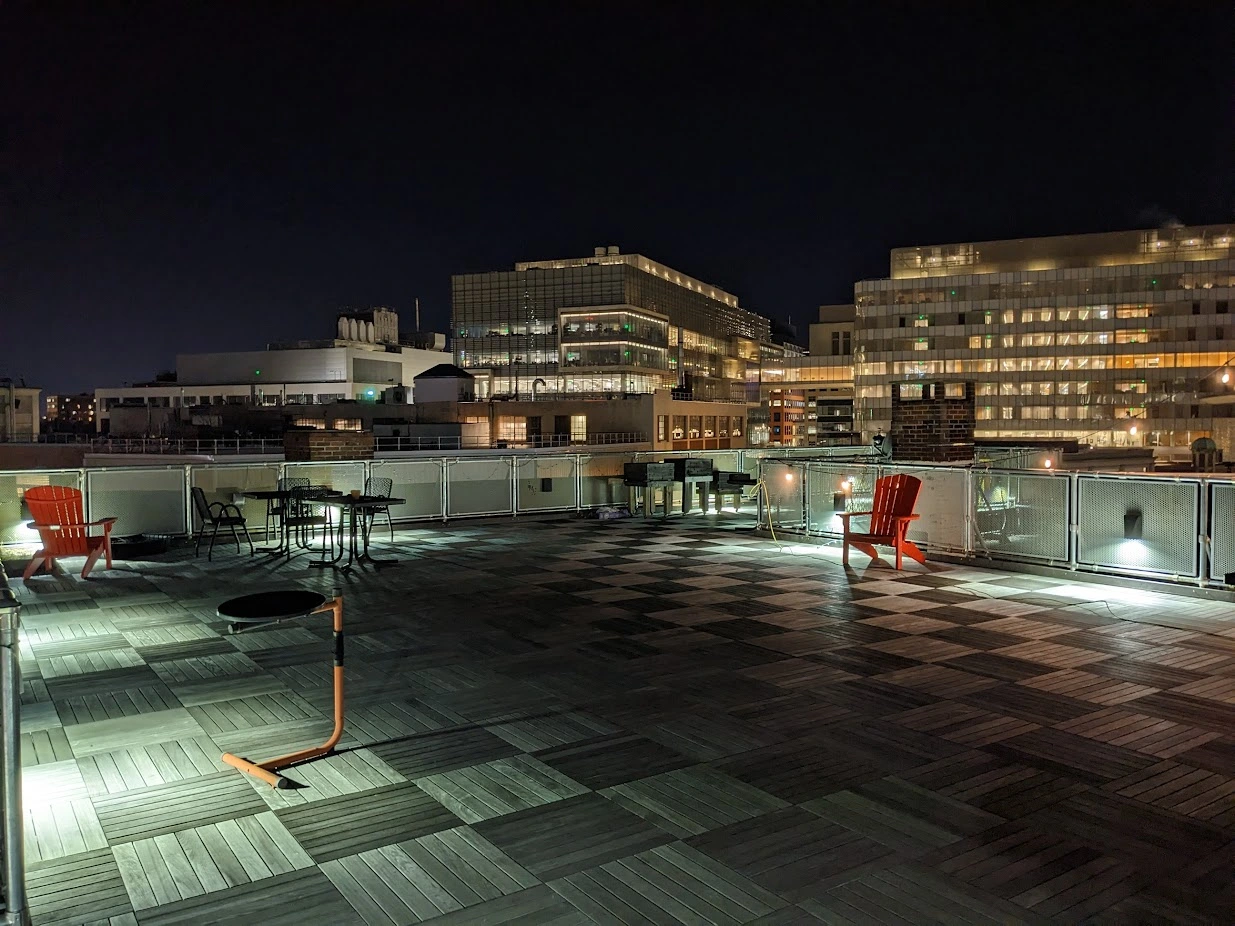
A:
<point x="1121" y="338"/>
<point x="73" y="412"/>
<point x="19" y="411"/>
<point x="365" y="363"/>
<point x="807" y="401"/>
<point x="608" y="324"/>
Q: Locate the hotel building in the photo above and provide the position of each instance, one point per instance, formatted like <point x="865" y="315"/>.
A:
<point x="607" y="324"/>
<point x="1114" y="339"/>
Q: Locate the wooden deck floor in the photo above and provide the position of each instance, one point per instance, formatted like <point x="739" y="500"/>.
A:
<point x="562" y="721"/>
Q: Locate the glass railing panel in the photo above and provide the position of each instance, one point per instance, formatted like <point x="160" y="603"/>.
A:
<point x="143" y="500"/>
<point x="546" y="483"/>
<point x="1139" y="524"/>
<point x="229" y="483"/>
<point x="481" y="486"/>
<point x="417" y="481"/>
<point x="601" y="479"/>
<point x="1021" y="515"/>
<point x="13" y="513"/>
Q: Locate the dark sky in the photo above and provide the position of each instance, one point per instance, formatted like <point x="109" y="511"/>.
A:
<point x="210" y="177"/>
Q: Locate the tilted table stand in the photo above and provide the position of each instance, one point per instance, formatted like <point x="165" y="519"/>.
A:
<point x="273" y="608"/>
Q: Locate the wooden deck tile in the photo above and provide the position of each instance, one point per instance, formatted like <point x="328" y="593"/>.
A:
<point x="503" y="786"/>
<point x="124" y="702"/>
<point x="793" y="852"/>
<point x="915" y="897"/>
<point x="354" y="823"/>
<point x="178" y="866"/>
<point x="146" y="766"/>
<point x="76" y="889"/>
<point x="692" y="800"/>
<point x="291" y="899"/>
<point x="423" y="878"/>
<point x="567" y="836"/>
<point x="538" y="905"/>
<point x="611" y="760"/>
<point x="671" y="884"/>
<point x="535" y="734"/>
<point x="140" y="730"/>
<point x="423" y="754"/>
<point x="144" y="813"/>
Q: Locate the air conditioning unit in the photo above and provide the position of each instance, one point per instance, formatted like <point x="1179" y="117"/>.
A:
<point x="396" y="395"/>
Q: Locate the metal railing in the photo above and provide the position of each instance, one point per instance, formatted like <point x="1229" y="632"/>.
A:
<point x="273" y="446"/>
<point x="598" y="439"/>
<point x="12" y="820"/>
<point x="154" y="498"/>
<point x="1180" y="528"/>
<point x="1174" y="528"/>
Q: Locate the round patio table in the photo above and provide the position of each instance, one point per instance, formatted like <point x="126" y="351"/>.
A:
<point x="270" y="607"/>
<point x="247" y="613"/>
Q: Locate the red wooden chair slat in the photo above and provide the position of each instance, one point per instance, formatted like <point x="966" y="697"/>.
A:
<point x="890" y="514"/>
<point x="59" y="517"/>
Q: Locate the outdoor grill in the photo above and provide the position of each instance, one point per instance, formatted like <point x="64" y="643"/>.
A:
<point x="649" y="477"/>
<point x="695" y="476"/>
<point x="729" y="484"/>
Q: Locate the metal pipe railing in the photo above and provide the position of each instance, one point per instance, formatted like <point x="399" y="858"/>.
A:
<point x="12" y="872"/>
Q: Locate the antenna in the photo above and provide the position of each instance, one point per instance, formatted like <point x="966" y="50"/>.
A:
<point x="417" y="313"/>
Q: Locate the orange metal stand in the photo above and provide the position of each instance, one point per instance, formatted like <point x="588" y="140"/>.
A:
<point x="266" y="771"/>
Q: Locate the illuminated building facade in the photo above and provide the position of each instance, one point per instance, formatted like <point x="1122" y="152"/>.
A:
<point x="1113" y="339"/>
<point x="611" y="324"/>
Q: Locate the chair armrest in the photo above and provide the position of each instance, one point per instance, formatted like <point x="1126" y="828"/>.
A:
<point x="102" y="522"/>
<point x="845" y="515"/>
<point x="223" y="509"/>
<point x="907" y="517"/>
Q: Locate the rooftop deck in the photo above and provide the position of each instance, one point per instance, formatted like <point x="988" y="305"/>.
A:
<point x="566" y="721"/>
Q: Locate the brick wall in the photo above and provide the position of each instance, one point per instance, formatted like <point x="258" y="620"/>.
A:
<point x="935" y="428"/>
<point x="312" y="445"/>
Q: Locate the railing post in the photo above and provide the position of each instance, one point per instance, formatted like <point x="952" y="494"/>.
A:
<point x="10" y="753"/>
<point x="1202" y="533"/>
<point x="187" y="500"/>
<point x="514" y="487"/>
<point x="1074" y="518"/>
<point x="445" y="490"/>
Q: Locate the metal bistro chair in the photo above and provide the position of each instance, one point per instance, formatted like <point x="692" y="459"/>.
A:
<point x="303" y="516"/>
<point x="275" y="506"/>
<point x="215" y="516"/>
<point x="378" y="487"/>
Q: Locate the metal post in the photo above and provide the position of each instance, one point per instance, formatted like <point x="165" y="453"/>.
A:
<point x="15" y="913"/>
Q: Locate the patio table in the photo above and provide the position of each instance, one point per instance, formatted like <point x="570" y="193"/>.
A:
<point x="248" y="612"/>
<point x="283" y="497"/>
<point x="357" y="550"/>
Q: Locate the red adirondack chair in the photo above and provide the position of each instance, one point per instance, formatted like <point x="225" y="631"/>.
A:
<point x="62" y="525"/>
<point x="892" y="510"/>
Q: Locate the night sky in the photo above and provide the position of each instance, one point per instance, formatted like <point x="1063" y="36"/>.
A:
<point x="180" y="178"/>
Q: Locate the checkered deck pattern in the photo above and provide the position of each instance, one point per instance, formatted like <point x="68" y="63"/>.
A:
<point x="566" y="721"/>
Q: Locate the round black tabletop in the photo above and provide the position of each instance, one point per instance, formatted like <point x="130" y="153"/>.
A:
<point x="280" y="605"/>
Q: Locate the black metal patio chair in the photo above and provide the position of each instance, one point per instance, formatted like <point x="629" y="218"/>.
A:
<point x="378" y="487"/>
<point x="215" y="516"/>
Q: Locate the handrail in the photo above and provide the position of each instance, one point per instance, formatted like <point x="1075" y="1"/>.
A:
<point x="12" y="872"/>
